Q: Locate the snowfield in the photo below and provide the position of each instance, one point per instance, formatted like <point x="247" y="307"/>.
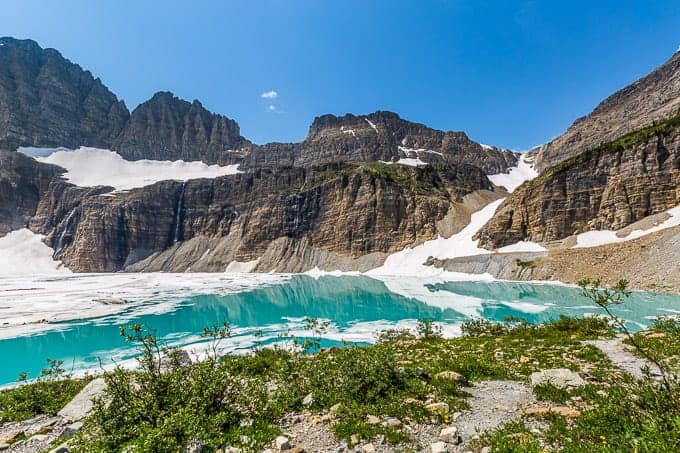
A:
<point x="524" y="171"/>
<point x="88" y="167"/>
<point x="603" y="237"/>
<point x="410" y="261"/>
<point x="23" y="252"/>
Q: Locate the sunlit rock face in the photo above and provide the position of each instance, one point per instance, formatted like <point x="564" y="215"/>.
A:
<point x="379" y="136"/>
<point x="340" y="208"/>
<point x="23" y="182"/>
<point x="45" y="100"/>
<point x="168" y="128"/>
<point x="650" y="100"/>
<point x="607" y="188"/>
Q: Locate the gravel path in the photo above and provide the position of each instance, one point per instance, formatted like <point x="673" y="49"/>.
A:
<point x="619" y="353"/>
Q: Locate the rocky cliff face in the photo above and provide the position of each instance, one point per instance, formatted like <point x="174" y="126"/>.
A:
<point x="45" y="100"/>
<point x="380" y="136"/>
<point x="650" y="100"/>
<point x="168" y="128"/>
<point x="608" y="187"/>
<point x="350" y="210"/>
<point x="23" y="182"/>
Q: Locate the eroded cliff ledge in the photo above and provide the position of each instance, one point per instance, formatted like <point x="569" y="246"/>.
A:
<point x="347" y="209"/>
<point x="608" y="187"/>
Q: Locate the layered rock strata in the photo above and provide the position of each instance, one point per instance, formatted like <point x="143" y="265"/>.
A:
<point x="608" y="187"/>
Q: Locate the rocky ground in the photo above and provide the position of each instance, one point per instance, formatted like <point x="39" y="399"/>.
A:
<point x="649" y="263"/>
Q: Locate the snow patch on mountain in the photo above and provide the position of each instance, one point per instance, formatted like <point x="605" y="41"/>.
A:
<point x="23" y="252"/>
<point x="90" y="167"/>
<point x="602" y="237"/>
<point x="524" y="171"/>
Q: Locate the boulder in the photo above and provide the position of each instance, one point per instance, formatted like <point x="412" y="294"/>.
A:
<point x="439" y="447"/>
<point x="562" y="378"/>
<point x="449" y="434"/>
<point x="308" y="400"/>
<point x="81" y="406"/>
<point x="282" y="443"/>
<point x="372" y="420"/>
<point x="453" y="376"/>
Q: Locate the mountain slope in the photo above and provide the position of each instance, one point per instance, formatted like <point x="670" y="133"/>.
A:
<point x="652" y="99"/>
<point x="168" y="128"/>
<point x="23" y="182"/>
<point x="380" y="136"/>
<point x="608" y="187"/>
<point x="348" y="209"/>
<point x="45" y="100"/>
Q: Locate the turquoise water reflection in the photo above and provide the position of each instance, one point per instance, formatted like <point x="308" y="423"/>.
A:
<point x="356" y="305"/>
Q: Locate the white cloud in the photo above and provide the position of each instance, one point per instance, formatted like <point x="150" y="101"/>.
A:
<point x="270" y="95"/>
<point x="271" y="108"/>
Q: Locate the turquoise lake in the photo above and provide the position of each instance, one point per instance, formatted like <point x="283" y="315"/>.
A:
<point x="357" y="306"/>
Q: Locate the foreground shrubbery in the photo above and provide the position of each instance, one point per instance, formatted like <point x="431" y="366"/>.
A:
<point x="241" y="400"/>
<point x="47" y="395"/>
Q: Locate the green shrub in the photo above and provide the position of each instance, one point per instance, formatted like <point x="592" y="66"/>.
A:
<point x="47" y="395"/>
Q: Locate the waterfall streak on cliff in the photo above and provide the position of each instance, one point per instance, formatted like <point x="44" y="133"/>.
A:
<point x="178" y="214"/>
<point x="60" y="242"/>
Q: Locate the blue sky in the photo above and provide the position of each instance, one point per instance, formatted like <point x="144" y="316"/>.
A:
<point x="509" y="73"/>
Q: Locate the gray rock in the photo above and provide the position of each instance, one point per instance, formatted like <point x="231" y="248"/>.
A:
<point x="81" y="406"/>
<point x="174" y="359"/>
<point x="368" y="448"/>
<point x="559" y="377"/>
<point x="439" y="447"/>
<point x="393" y="422"/>
<point x="308" y="400"/>
<point x="49" y="101"/>
<point x="72" y="428"/>
<point x="449" y="434"/>
<point x="282" y="443"/>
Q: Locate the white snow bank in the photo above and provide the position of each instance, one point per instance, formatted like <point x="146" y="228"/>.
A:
<point x="407" y="161"/>
<point x="99" y="167"/>
<point x="524" y="171"/>
<point x="410" y="260"/>
<point x="242" y="266"/>
<point x="370" y="123"/>
<point x="602" y="237"/>
<point x="522" y="246"/>
<point x="23" y="252"/>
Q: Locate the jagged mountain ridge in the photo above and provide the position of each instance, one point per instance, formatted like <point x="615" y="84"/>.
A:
<point x="168" y="128"/>
<point x="607" y="188"/>
<point x="326" y="199"/>
<point x="379" y="136"/>
<point x="45" y="100"/>
<point x="610" y="169"/>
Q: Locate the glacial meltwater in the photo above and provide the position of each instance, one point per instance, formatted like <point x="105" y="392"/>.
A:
<point x="261" y="311"/>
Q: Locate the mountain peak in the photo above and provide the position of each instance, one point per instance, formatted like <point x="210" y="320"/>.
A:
<point x="33" y="81"/>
